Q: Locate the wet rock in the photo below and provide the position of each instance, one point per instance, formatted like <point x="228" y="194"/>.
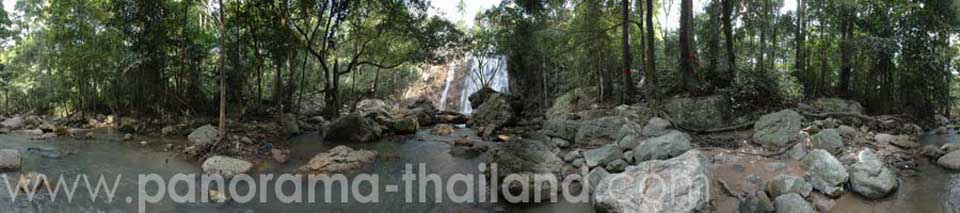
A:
<point x="656" y="127"/>
<point x="684" y="177"/>
<point x="403" y="126"/>
<point x="29" y="182"/>
<point x="225" y="166"/>
<point x="912" y="129"/>
<point x="354" y="128"/>
<point x="204" y="135"/>
<point x="757" y="202"/>
<point x="792" y="203"/>
<point x="785" y="184"/>
<point x="561" y="128"/>
<point x="827" y="174"/>
<point x="699" y="112"/>
<point x="603" y="155"/>
<point x="950" y="161"/>
<point x="932" y="152"/>
<point x="941" y="120"/>
<point x="664" y="147"/>
<point x="445" y="117"/>
<point x="168" y="130"/>
<point x="442" y="130"/>
<point x="837" y="105"/>
<point x="481" y="96"/>
<point x="218" y="197"/>
<point x="338" y="160"/>
<point x="128" y="125"/>
<point x="467" y="152"/>
<point x="574" y="101"/>
<point x="950" y="147"/>
<point x="10" y="160"/>
<point x="44" y="136"/>
<point x="829" y="140"/>
<point x="280" y="155"/>
<point x="493" y="114"/>
<point x="423" y="110"/>
<point x="778" y="129"/>
<point x="616" y="166"/>
<point x="870" y="178"/>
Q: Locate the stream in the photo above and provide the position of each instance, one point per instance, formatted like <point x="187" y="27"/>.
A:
<point x="108" y="155"/>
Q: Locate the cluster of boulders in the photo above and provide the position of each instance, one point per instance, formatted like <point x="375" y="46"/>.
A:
<point x="37" y="127"/>
<point x="338" y="160"/>
<point x="374" y="118"/>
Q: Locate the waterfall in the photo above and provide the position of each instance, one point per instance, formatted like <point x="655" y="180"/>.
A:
<point x="494" y="71"/>
<point x="446" y="87"/>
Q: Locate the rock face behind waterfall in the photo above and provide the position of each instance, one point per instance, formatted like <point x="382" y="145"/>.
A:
<point x="675" y="185"/>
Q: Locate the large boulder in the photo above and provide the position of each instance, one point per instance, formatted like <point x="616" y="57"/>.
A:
<point x="602" y="131"/>
<point x="777" y="130"/>
<point x="667" y="146"/>
<point x="837" y="105"/>
<point x="407" y="125"/>
<point x="481" y="96"/>
<point x="829" y="140"/>
<point x="950" y="160"/>
<point x="870" y="178"/>
<point x="785" y="184"/>
<point x="374" y="108"/>
<point x="827" y="174"/>
<point x="338" y="160"/>
<point x="603" y="155"/>
<point x="13" y="123"/>
<point x="10" y="160"/>
<point x="353" y="127"/>
<point x="494" y="113"/>
<point x="572" y="102"/>
<point x="225" y="166"/>
<point x="290" y="124"/>
<point x="792" y="203"/>
<point x="675" y="185"/>
<point x="561" y="128"/>
<point x="699" y="113"/>
<point x="656" y="127"/>
<point x="204" y="135"/>
<point x="423" y="110"/>
<point x="525" y="159"/>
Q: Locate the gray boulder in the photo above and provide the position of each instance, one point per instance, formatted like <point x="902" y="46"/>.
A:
<point x="699" y="112"/>
<point x="225" y="166"/>
<point x="354" y="128"/>
<point x="776" y="130"/>
<point x="596" y="175"/>
<point x="374" y="108"/>
<point x="828" y="139"/>
<point x="757" y="202"/>
<point x="10" y="160"/>
<point x="204" y="135"/>
<point x="13" y="123"/>
<point x="675" y="185"/>
<point x="870" y="178"/>
<point x="656" y="127"/>
<point x="574" y="101"/>
<point x="837" y="105"/>
<point x="602" y="131"/>
<point x="340" y="159"/>
<point x="423" y="110"/>
<point x="792" y="203"/>
<point x="827" y="174"/>
<point x="561" y="128"/>
<point x="672" y="144"/>
<point x="290" y="124"/>
<point x="617" y="165"/>
<point x="785" y="184"/>
<point x="603" y="155"/>
<point x="525" y="158"/>
<point x="950" y="160"/>
<point x="494" y="113"/>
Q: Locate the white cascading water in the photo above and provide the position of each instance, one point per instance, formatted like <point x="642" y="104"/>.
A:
<point x="494" y="71"/>
<point x="446" y="87"/>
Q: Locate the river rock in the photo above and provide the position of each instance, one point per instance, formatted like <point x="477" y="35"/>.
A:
<point x="571" y="102"/>
<point x="374" y="108"/>
<point x="595" y="176"/>
<point x="950" y="161"/>
<point x="423" y="110"/>
<point x="338" y="160"/>
<point x="561" y="128"/>
<point x="13" y="123"/>
<point x="792" y="203"/>
<point x="699" y="112"/>
<point x="168" y="130"/>
<point x="290" y="124"/>
<point x="672" y="144"/>
<point x="478" y="98"/>
<point x="757" y="202"/>
<point x="848" y="132"/>
<point x="616" y="166"/>
<point x="225" y="166"/>
<point x="353" y="127"/>
<point x="10" y="160"/>
<point x="494" y="113"/>
<point x="870" y="178"/>
<point x="629" y="141"/>
<point x="525" y="158"/>
<point x="603" y="155"/>
<point x="407" y="125"/>
<point x="675" y="185"/>
<point x="128" y="125"/>
<point x="204" y="135"/>
<point x="932" y="152"/>
<point x="572" y="155"/>
<point x="601" y="131"/>
<point x="828" y="139"/>
<point x="778" y="129"/>
<point x="827" y="174"/>
<point x="837" y="105"/>
<point x="785" y="184"/>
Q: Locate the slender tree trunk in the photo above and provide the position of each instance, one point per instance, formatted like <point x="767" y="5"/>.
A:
<point x="651" y="59"/>
<point x="686" y="55"/>
<point x="801" y="36"/>
<point x="714" y="46"/>
<point x="846" y="52"/>
<point x="727" y="19"/>
<point x="627" y="75"/>
<point x="223" y="89"/>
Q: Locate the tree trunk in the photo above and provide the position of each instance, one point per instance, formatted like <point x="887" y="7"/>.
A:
<point x="801" y="36"/>
<point x="627" y="76"/>
<point x="727" y="19"/>
<point x="714" y="46"/>
<point x="689" y="80"/>
<point x="846" y="51"/>
<point x="223" y="89"/>
<point x="651" y="59"/>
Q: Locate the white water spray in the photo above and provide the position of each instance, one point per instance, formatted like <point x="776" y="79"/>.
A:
<point x="493" y="73"/>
